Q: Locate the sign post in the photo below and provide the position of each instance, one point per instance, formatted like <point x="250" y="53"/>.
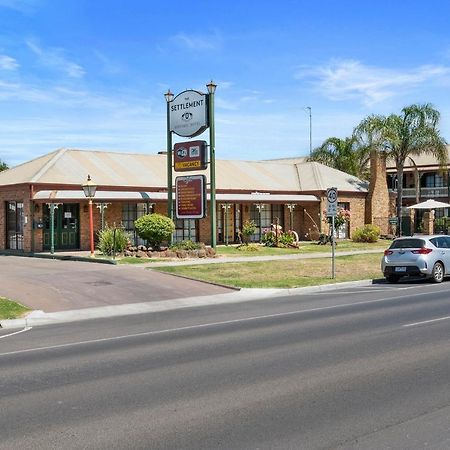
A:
<point x="190" y="197"/>
<point x="331" y="212"/>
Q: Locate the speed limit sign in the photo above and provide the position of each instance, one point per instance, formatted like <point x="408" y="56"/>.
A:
<point x="332" y="196"/>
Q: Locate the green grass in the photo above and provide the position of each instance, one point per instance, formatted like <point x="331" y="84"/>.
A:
<point x="134" y="260"/>
<point x="283" y="274"/>
<point x="11" y="310"/>
<point x="305" y="247"/>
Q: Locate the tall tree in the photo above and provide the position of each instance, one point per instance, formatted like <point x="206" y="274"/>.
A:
<point x="3" y="166"/>
<point x="413" y="132"/>
<point x="343" y="154"/>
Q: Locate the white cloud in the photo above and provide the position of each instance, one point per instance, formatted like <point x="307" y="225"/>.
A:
<point x="54" y="57"/>
<point x="198" y="42"/>
<point x="350" y="79"/>
<point x="8" y="63"/>
<point x="23" y="6"/>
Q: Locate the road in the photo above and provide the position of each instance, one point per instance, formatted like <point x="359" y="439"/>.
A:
<point x="356" y="368"/>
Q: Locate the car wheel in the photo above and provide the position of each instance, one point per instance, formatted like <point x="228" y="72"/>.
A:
<point x="437" y="275"/>
<point x="392" y="278"/>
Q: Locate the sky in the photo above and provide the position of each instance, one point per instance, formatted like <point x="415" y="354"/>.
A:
<point x="91" y="74"/>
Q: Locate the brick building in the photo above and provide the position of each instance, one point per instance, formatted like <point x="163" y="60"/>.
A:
<point x="290" y="191"/>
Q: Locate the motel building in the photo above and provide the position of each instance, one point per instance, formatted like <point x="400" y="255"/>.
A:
<point x="291" y="192"/>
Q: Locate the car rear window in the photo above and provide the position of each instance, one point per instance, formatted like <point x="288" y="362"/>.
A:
<point x="408" y="243"/>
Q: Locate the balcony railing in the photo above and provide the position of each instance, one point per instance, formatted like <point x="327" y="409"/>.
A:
<point x="433" y="192"/>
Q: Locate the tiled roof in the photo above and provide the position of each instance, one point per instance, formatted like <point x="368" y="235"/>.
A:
<point x="71" y="167"/>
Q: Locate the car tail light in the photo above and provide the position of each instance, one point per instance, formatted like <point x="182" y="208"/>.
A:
<point x="422" y="251"/>
<point x="388" y="252"/>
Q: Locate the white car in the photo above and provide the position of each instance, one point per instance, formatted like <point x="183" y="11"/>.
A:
<point x="426" y="256"/>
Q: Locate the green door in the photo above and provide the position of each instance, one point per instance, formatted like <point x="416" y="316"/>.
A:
<point x="67" y="230"/>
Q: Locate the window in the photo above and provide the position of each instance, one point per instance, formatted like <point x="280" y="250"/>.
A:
<point x="185" y="229"/>
<point x="15" y="220"/>
<point x="264" y="215"/>
<point x="131" y="212"/>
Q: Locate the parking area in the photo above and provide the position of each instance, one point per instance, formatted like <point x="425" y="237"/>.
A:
<point x="55" y="285"/>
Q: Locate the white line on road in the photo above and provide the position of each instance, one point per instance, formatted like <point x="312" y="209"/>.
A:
<point x="16" y="332"/>
<point x="205" y="325"/>
<point x="426" y="321"/>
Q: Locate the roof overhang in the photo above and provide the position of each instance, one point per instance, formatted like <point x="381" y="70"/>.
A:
<point x="78" y="195"/>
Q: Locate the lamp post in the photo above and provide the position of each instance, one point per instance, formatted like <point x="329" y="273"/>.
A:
<point x="169" y="97"/>
<point x="226" y="207"/>
<point x="89" y="189"/>
<point x="260" y="206"/>
<point x="212" y="161"/>
<point x="291" y="207"/>
<point x="308" y="108"/>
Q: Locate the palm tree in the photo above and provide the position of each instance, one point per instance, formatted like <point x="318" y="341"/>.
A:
<point x="3" y="166"/>
<point x="413" y="132"/>
<point x="345" y="154"/>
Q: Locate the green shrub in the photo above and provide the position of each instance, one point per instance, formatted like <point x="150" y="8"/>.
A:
<point x="248" y="228"/>
<point x="107" y="237"/>
<point x="269" y="238"/>
<point x="154" y="228"/>
<point x="186" y="245"/>
<point x="368" y="233"/>
<point x="286" y="240"/>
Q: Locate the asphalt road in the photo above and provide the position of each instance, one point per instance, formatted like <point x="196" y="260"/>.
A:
<point x="361" y="368"/>
<point x="54" y="285"/>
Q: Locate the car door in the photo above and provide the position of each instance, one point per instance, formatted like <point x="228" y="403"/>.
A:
<point x="443" y="248"/>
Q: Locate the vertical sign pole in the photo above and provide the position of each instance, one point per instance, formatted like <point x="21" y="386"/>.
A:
<point x="333" y="265"/>
<point x="212" y="168"/>
<point x="226" y="223"/>
<point x="52" y="228"/>
<point x="169" y="168"/>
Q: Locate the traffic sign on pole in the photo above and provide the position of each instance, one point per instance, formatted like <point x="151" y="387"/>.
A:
<point x="332" y="202"/>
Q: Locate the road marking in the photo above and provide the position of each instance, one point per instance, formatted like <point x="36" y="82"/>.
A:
<point x="426" y="321"/>
<point x="206" y="325"/>
<point x="16" y="332"/>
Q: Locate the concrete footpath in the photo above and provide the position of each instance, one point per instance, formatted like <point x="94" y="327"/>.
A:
<point x="92" y="291"/>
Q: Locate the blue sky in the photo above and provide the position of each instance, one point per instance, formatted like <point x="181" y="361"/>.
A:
<point x="92" y="74"/>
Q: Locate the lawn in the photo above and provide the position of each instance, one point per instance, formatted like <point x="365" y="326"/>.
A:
<point x="305" y="247"/>
<point x="284" y="274"/>
<point x="11" y="310"/>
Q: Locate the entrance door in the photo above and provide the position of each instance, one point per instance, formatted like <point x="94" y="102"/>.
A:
<point x="67" y="231"/>
<point x="15" y="220"/>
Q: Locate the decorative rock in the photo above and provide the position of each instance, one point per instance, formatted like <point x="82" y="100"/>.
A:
<point x="141" y="254"/>
<point x="193" y="253"/>
<point x="182" y="254"/>
<point x="154" y="254"/>
<point x="170" y="254"/>
<point x="210" y="252"/>
<point x="127" y="253"/>
<point x="202" y="253"/>
<point x="142" y="248"/>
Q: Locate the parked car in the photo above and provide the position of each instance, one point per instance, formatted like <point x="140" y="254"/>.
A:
<point x="425" y="256"/>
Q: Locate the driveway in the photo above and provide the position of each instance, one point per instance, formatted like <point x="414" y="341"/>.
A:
<point x="55" y="285"/>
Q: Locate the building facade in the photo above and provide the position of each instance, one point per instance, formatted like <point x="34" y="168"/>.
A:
<point x="290" y="192"/>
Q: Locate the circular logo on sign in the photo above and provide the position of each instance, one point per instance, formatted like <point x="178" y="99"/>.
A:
<point x="182" y="152"/>
<point x="332" y="195"/>
<point x="187" y="116"/>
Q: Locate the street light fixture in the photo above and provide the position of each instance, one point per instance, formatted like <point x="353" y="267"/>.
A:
<point x="90" y="189"/>
<point x="211" y="87"/>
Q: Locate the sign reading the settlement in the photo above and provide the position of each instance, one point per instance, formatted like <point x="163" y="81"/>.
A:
<point x="332" y="202"/>
<point x="189" y="156"/>
<point x="190" y="197"/>
<point x="189" y="114"/>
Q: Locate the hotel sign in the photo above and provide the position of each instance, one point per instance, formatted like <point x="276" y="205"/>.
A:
<point x="188" y="113"/>
<point x="190" y="197"/>
<point x="189" y="156"/>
